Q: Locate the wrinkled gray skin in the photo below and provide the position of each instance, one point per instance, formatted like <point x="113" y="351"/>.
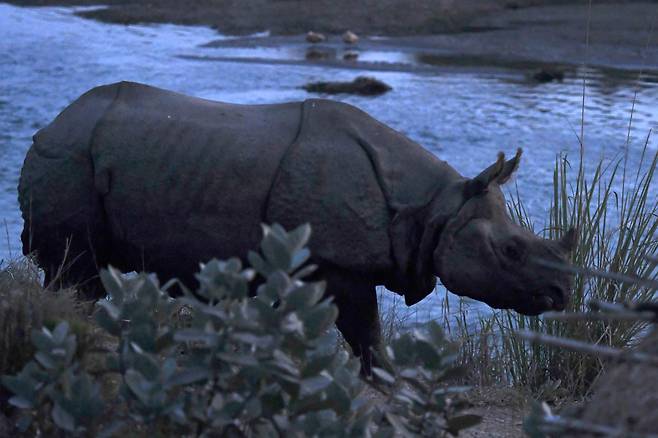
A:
<point x="146" y="179"/>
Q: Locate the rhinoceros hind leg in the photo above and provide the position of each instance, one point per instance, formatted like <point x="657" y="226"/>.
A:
<point x="358" y="316"/>
<point x="70" y="262"/>
<point x="86" y="282"/>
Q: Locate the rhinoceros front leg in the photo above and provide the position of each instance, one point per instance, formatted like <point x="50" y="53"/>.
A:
<point x="358" y="316"/>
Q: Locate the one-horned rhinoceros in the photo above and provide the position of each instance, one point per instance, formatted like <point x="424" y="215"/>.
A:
<point x="147" y="179"/>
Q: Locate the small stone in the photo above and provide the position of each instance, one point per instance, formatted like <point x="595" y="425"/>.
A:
<point x="315" y="37"/>
<point x="314" y="53"/>
<point x="549" y="74"/>
<point x="350" y="56"/>
<point x="350" y="37"/>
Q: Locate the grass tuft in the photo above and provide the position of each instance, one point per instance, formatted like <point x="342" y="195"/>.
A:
<point x="616" y="215"/>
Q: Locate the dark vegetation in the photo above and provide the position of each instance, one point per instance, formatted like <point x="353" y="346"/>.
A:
<point x="625" y="397"/>
<point x="217" y="362"/>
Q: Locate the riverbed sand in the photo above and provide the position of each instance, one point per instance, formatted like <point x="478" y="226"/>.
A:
<point x="617" y="34"/>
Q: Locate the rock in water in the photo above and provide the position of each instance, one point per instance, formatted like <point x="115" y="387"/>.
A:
<point x="548" y="74"/>
<point x="350" y="37"/>
<point x="362" y="85"/>
<point x="318" y="53"/>
<point x="315" y="37"/>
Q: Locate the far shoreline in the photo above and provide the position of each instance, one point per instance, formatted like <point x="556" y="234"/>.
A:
<point x="491" y="34"/>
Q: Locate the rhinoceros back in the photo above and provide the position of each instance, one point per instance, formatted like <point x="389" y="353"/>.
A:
<point x="185" y="179"/>
<point x="172" y="180"/>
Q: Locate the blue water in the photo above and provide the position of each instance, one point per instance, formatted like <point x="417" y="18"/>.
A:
<point x="48" y="57"/>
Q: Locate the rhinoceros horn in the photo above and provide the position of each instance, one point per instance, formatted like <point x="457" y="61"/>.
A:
<point x="569" y="240"/>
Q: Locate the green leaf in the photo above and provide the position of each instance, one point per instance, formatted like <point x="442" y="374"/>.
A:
<point x="259" y="264"/>
<point x="314" y="384"/>
<point x="384" y="432"/>
<point x="340" y="399"/>
<point x="399" y="425"/>
<point x="42" y="339"/>
<point x="107" y="317"/>
<point x="304" y="296"/>
<point x="189" y="376"/>
<point x="113" y="284"/>
<point x="238" y="359"/>
<point x="299" y="258"/>
<point x="22" y="386"/>
<point x="383" y="375"/>
<point x="252" y="409"/>
<point x="262" y="341"/>
<point x="139" y="386"/>
<point x="45" y="360"/>
<point x="318" y="319"/>
<point x="112" y="429"/>
<point x="276" y="252"/>
<point x="63" y="419"/>
<point x="21" y="402"/>
<point x="196" y="335"/>
<point x="299" y="237"/>
<point x="60" y="332"/>
<point x="24" y="422"/>
<point x="305" y="272"/>
<point x="316" y="364"/>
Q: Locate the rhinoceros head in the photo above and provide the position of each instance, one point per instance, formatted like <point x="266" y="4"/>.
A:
<point x="483" y="254"/>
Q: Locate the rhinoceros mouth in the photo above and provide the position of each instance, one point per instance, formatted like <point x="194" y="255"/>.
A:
<point x="539" y="303"/>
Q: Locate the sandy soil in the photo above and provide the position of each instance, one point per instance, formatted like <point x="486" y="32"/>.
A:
<point x="502" y="409"/>
<point x="387" y="17"/>
<point x="621" y="36"/>
<point x="509" y="33"/>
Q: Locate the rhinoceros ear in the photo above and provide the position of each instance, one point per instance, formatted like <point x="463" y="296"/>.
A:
<point x="499" y="172"/>
<point x="510" y="167"/>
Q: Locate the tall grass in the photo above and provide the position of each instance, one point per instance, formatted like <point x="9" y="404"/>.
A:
<point x="616" y="215"/>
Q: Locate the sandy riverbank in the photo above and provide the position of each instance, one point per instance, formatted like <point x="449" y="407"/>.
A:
<point x="288" y="17"/>
<point x="469" y="33"/>
<point x="621" y="36"/>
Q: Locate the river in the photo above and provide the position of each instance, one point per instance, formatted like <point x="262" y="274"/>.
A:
<point x="48" y="57"/>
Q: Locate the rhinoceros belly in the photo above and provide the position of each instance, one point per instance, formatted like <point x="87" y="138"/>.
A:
<point x="184" y="179"/>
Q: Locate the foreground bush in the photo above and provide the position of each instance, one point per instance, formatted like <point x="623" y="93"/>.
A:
<point x="219" y="363"/>
<point x="25" y="306"/>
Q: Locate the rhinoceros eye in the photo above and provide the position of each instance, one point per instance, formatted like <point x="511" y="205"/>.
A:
<point x="513" y="250"/>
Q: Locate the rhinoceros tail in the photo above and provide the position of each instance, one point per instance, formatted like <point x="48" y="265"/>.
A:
<point x="64" y="223"/>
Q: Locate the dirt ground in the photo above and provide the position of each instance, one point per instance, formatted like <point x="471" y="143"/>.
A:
<point x="502" y="409"/>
